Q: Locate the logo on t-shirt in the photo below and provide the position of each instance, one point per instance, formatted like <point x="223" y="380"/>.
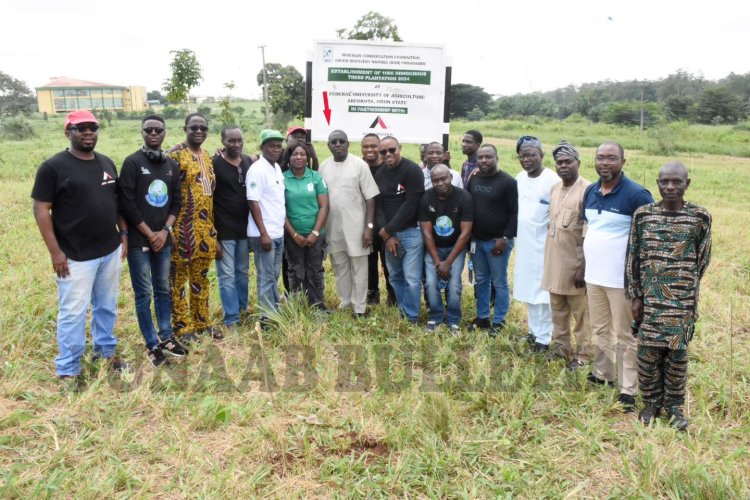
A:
<point x="107" y="179"/>
<point x="400" y="189"/>
<point x="145" y="171"/>
<point x="157" y="194"/>
<point x="444" y="226"/>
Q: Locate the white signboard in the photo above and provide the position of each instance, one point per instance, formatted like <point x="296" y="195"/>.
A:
<point x="364" y="87"/>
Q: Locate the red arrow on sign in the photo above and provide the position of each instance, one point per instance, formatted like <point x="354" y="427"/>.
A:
<point x="326" y="109"/>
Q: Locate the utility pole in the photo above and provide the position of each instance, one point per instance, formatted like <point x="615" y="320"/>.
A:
<point x="265" y="86"/>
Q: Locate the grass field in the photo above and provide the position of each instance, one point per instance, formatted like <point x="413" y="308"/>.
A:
<point x="338" y="407"/>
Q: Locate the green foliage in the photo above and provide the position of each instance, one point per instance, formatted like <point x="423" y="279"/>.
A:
<point x="465" y="97"/>
<point x="718" y="105"/>
<point x="371" y="26"/>
<point x="170" y="112"/>
<point x="17" y="128"/>
<point x="186" y="74"/>
<point x="155" y="95"/>
<point x="205" y="110"/>
<point x="679" y="107"/>
<point x="286" y="89"/>
<point x="629" y="113"/>
<point x="475" y="114"/>
<point x="15" y="96"/>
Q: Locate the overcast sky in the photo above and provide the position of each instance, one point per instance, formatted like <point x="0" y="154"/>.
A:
<point x="505" y="47"/>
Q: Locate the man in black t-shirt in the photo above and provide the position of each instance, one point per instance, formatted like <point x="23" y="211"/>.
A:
<point x="446" y="214"/>
<point x="230" y="219"/>
<point x="150" y="200"/>
<point x="495" y="221"/>
<point x="75" y="207"/>
<point x="401" y="186"/>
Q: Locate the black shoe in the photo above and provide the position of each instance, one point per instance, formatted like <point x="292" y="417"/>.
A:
<point x="188" y="338"/>
<point x="649" y="414"/>
<point x="391" y="300"/>
<point x="212" y="332"/>
<point x="116" y="364"/>
<point x="627" y="401"/>
<point x="536" y="347"/>
<point x="156" y="357"/>
<point x="496" y="329"/>
<point x="677" y="419"/>
<point x="360" y="315"/>
<point x="265" y="323"/>
<point x="373" y="298"/>
<point x="173" y="347"/>
<point x="480" y="324"/>
<point x="576" y="364"/>
<point x="598" y="381"/>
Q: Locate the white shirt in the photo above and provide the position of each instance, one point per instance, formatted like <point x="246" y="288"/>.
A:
<point x="533" y="218"/>
<point x="265" y="184"/>
<point x="455" y="178"/>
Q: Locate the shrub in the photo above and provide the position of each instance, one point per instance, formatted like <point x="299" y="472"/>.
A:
<point x="17" y="128"/>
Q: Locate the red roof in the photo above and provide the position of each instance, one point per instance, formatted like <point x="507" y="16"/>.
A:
<point x="64" y="82"/>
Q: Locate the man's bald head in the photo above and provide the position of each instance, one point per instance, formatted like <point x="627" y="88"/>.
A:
<point x="674" y="168"/>
<point x="440" y="169"/>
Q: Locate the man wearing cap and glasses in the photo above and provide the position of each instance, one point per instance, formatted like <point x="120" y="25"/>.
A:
<point x="563" y="261"/>
<point x="150" y="199"/>
<point x="265" y="227"/>
<point x="351" y="191"/>
<point x="75" y="207"/>
<point x="299" y="134"/>
<point x="230" y="219"/>
<point x="534" y="183"/>
<point x="194" y="233"/>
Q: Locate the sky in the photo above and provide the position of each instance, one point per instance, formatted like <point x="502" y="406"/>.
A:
<point x="504" y="47"/>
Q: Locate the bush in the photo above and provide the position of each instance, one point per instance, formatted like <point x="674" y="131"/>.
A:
<point x="205" y="111"/>
<point x="17" y="128"/>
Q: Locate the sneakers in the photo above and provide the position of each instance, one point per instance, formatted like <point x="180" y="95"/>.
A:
<point x="455" y="329"/>
<point x="598" y="381"/>
<point x="431" y="326"/>
<point x="156" y="357"/>
<point x="677" y="419"/>
<point x="649" y="414"/>
<point x="115" y="364"/>
<point x="173" y="347"/>
<point x="627" y="401"/>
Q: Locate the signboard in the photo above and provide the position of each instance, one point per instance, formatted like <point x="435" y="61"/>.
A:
<point x="364" y="87"/>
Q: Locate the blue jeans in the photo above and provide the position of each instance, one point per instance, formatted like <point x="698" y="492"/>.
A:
<point x="405" y="273"/>
<point x="268" y="270"/>
<point x="454" y="288"/>
<point x="94" y="282"/>
<point x="149" y="274"/>
<point x="491" y="271"/>
<point x="232" y="271"/>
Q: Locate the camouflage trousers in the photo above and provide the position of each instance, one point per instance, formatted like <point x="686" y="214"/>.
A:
<point x="662" y="376"/>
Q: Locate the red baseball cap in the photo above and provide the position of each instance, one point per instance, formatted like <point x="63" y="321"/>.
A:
<point x="80" y="116"/>
<point x="293" y="129"/>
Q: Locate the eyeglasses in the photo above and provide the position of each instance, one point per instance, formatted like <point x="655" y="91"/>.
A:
<point x="83" y="127"/>
<point x="195" y="128"/>
<point x="607" y="158"/>
<point x="153" y="130"/>
<point x="392" y="151"/>
<point x="240" y="177"/>
<point x="526" y="157"/>
<point x="336" y="142"/>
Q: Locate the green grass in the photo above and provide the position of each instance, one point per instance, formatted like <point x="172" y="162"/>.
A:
<point x="365" y="408"/>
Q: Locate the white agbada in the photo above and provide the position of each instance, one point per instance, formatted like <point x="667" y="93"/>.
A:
<point x="533" y="218"/>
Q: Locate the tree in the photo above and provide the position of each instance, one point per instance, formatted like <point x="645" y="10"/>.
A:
<point x="718" y="105"/>
<point x="678" y="107"/>
<point x="286" y="89"/>
<point x="186" y="73"/>
<point x="371" y="26"/>
<point x="15" y="96"/>
<point x="465" y="97"/>
<point x="155" y="95"/>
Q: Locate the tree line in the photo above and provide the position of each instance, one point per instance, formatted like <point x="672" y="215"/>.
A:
<point x="679" y="96"/>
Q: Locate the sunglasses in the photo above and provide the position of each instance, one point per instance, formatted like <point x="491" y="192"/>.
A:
<point x="153" y="130"/>
<point x="93" y="127"/>
<point x="195" y="128"/>
<point x="392" y="151"/>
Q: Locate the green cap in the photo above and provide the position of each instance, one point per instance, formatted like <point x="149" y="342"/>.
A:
<point x="269" y="134"/>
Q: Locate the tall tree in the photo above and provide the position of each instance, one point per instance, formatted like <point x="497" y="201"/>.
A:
<point x="371" y="26"/>
<point x="286" y="89"/>
<point x="15" y="96"/>
<point x="186" y="74"/>
<point x="718" y="105"/>
<point x="465" y="97"/>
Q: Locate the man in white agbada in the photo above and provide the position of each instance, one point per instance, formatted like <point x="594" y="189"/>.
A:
<point x="351" y="192"/>
<point x="534" y="185"/>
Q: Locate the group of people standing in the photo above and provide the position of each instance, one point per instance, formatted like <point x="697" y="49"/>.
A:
<point x="593" y="260"/>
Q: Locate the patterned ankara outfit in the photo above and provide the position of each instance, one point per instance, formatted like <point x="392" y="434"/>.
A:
<point x="668" y="253"/>
<point x="196" y="242"/>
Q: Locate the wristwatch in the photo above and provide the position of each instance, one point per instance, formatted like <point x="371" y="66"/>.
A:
<point x="370" y="225"/>
<point x="316" y="233"/>
<point x="168" y="228"/>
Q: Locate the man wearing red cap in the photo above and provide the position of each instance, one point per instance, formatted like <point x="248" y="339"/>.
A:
<point x="75" y="207"/>
<point x="298" y="134"/>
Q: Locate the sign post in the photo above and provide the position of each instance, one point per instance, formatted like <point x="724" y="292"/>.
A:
<point x="364" y="87"/>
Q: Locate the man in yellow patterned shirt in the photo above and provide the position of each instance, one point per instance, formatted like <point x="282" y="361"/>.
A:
<point x="194" y="233"/>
